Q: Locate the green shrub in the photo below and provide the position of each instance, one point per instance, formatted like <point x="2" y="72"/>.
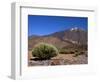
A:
<point x="66" y="51"/>
<point x="44" y="51"/>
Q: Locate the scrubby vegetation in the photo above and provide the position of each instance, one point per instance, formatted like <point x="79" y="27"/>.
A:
<point x="76" y="49"/>
<point x="66" y="51"/>
<point x="44" y="51"/>
<point x="79" y="53"/>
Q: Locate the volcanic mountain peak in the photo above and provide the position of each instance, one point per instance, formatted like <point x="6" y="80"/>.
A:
<point x="76" y="29"/>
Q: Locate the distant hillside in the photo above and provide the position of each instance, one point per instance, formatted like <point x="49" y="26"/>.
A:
<point x="61" y="39"/>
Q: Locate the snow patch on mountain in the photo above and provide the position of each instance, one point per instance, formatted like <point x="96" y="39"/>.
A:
<point x="74" y="29"/>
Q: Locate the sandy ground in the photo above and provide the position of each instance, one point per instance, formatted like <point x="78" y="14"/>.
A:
<point x="61" y="59"/>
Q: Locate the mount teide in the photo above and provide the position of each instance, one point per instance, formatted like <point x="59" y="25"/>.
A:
<point x="61" y="39"/>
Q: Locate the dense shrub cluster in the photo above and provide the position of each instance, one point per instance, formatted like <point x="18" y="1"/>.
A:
<point x="44" y="51"/>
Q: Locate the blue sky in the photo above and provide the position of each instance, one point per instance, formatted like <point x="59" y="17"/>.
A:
<point x="44" y="25"/>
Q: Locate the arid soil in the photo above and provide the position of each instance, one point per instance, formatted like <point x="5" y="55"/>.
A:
<point x="61" y="59"/>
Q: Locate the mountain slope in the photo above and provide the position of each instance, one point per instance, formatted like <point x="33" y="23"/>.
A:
<point x="60" y="39"/>
<point x="74" y="35"/>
